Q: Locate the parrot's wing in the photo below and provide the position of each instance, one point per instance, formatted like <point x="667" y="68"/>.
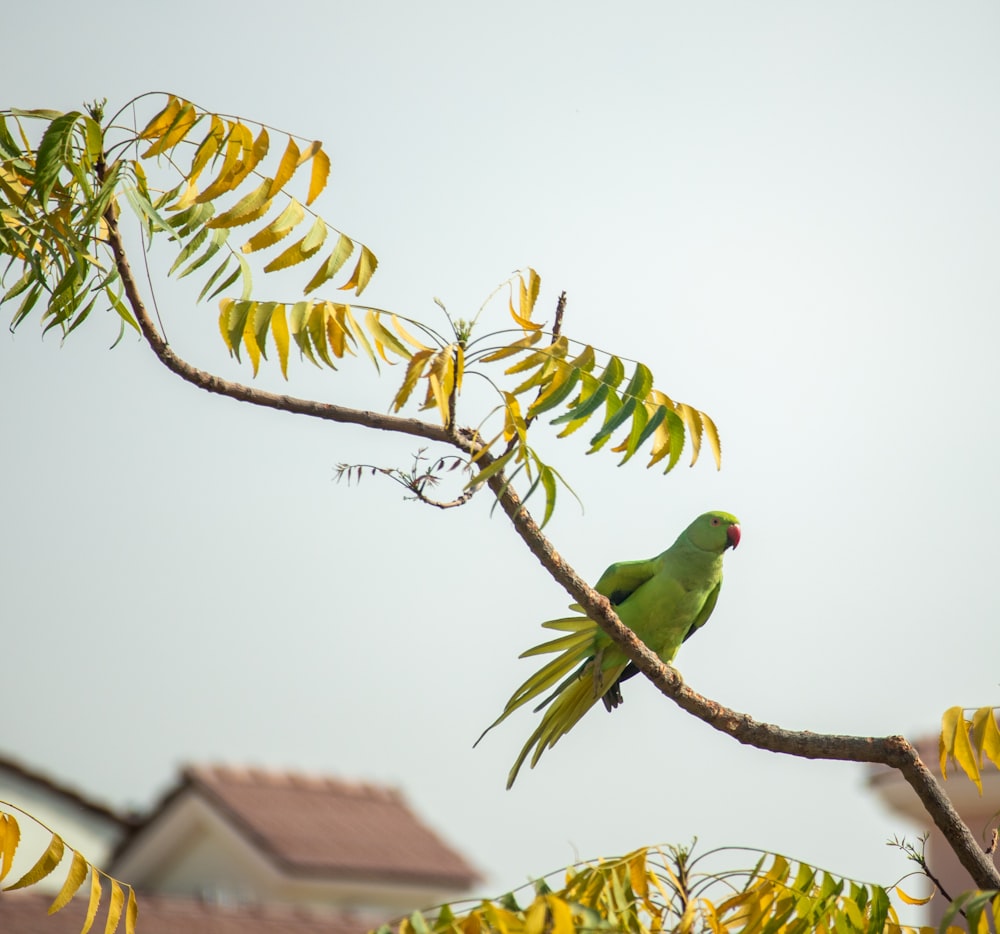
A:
<point x="705" y="612"/>
<point x="621" y="580"/>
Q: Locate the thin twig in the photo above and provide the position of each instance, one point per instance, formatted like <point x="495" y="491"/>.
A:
<point x="560" y="310"/>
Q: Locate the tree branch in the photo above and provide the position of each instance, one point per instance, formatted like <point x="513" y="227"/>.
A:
<point x="893" y="751"/>
<point x="211" y="383"/>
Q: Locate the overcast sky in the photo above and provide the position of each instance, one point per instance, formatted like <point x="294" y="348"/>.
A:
<point x="789" y="211"/>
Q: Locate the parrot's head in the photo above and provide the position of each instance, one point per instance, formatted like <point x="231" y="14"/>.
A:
<point x="714" y="531"/>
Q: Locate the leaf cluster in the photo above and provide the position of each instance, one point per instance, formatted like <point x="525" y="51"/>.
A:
<point x="654" y="890"/>
<point x="53" y="197"/>
<point x="60" y="202"/>
<point x="200" y="215"/>
<point x="122" y="901"/>
<point x="56" y="197"/>
<point x="969" y="742"/>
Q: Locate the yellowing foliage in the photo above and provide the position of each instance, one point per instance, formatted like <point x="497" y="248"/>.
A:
<point x="228" y="146"/>
<point x="193" y="177"/>
<point x="79" y="868"/>
<point x="654" y="890"/>
<point x="968" y="743"/>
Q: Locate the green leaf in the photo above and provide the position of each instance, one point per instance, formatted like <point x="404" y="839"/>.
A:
<point x="8" y="148"/>
<point x="236" y="323"/>
<point x="190" y="248"/>
<point x="54" y="151"/>
<point x="613" y="374"/>
<point x="219" y="238"/>
<point x="580" y="413"/>
<point x="491" y="469"/>
<point x="649" y="426"/>
<point x="615" y="419"/>
<point x="554" y="393"/>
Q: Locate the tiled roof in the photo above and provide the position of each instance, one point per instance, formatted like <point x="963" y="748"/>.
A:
<point x="26" y="913"/>
<point x="322" y="827"/>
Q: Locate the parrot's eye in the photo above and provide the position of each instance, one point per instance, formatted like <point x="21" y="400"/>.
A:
<point x="715" y="522"/>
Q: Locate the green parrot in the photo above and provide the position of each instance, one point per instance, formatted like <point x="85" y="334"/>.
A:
<point x="664" y="601"/>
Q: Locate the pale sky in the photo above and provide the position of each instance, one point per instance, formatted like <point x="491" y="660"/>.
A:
<point x="789" y="211"/>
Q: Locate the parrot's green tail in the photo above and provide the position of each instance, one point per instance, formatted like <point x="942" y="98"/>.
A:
<point x="566" y="710"/>
<point x="569" y="680"/>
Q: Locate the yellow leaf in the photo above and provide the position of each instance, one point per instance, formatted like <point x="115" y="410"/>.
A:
<point x="357" y="332"/>
<point x="162" y="121"/>
<point x="854" y="915"/>
<point x="131" y="912"/>
<point x="513" y="422"/>
<point x="986" y="735"/>
<point x="320" y="173"/>
<point x="207" y="149"/>
<point x="536" y="916"/>
<point x="184" y="120"/>
<point x="952" y="720"/>
<point x="10" y="835"/>
<point x="441" y="380"/>
<point x="189" y="197"/>
<point x="332" y="265"/>
<point x="278" y="229"/>
<point x="115" y="906"/>
<point x="911" y="900"/>
<point x="95" y="900"/>
<point x="406" y="335"/>
<point x="692" y="420"/>
<point x="74" y="879"/>
<point x="362" y="272"/>
<point x="46" y="863"/>
<point x="526" y="304"/>
<point x="384" y="337"/>
<point x="250" y="157"/>
<point x="249" y="208"/>
<point x="286" y="168"/>
<point x="225" y="306"/>
<point x="238" y="142"/>
<point x="279" y="331"/>
<point x="510" y="349"/>
<point x="316" y="328"/>
<point x="638" y="875"/>
<point x="337" y="329"/>
<point x="562" y="915"/>
<point x="712" y="435"/>
<point x="250" y="339"/>
<point x="314" y="147"/>
<point x="414" y="370"/>
<point x="301" y="250"/>
<point x="689" y="917"/>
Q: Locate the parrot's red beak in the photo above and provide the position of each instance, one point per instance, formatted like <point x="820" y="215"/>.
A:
<point x="733" y="534"/>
